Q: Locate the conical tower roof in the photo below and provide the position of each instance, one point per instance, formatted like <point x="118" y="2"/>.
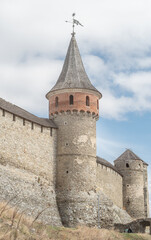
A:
<point x="129" y="155"/>
<point x="73" y="74"/>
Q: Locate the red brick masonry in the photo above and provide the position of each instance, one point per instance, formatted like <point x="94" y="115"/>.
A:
<point x="79" y="103"/>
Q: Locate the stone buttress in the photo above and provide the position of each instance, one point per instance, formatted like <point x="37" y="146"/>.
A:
<point x="74" y="107"/>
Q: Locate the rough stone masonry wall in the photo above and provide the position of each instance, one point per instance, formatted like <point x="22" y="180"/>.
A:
<point x="111" y="183"/>
<point x="133" y="186"/>
<point x="76" y="168"/>
<point x="28" y="193"/>
<point x="146" y="193"/>
<point x="110" y="214"/>
<point x="27" y="161"/>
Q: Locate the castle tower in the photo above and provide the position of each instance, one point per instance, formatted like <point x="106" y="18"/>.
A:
<point x="74" y="107"/>
<point x="135" y="184"/>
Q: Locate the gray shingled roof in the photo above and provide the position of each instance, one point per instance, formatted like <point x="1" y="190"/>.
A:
<point x="107" y="164"/>
<point x="73" y="74"/>
<point x="9" y="107"/>
<point x="129" y="155"/>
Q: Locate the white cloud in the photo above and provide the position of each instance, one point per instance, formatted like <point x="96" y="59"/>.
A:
<point x="94" y="65"/>
<point x="27" y="84"/>
<point x="112" y="42"/>
<point x="108" y="146"/>
<point x="139" y="84"/>
<point x="113" y="107"/>
<point x="144" y="62"/>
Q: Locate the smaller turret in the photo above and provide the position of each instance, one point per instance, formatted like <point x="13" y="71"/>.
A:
<point x="135" y="186"/>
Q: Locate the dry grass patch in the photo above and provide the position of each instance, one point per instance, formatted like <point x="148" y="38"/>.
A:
<point x="15" y="225"/>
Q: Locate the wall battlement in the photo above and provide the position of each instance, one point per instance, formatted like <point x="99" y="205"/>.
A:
<point x="25" y="123"/>
<point x="110" y="182"/>
<point x="20" y="141"/>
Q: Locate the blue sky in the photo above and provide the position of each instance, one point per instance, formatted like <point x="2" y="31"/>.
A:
<point x="115" y="44"/>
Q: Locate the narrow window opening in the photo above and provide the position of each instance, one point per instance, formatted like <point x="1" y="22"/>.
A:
<point x="3" y="114"/>
<point x="32" y="125"/>
<point x="97" y="104"/>
<point x="14" y="117"/>
<point x="23" y="122"/>
<point x="66" y="171"/>
<point x="71" y="99"/>
<point x="51" y="132"/>
<point x="41" y="129"/>
<point x="87" y="101"/>
<point x="56" y="101"/>
<point x="127" y="165"/>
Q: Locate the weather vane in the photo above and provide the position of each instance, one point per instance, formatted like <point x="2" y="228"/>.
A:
<point x="74" y="21"/>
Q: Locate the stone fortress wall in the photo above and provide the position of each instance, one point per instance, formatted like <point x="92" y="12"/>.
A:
<point x="110" y="182"/>
<point x="28" y="159"/>
<point x="28" y="166"/>
<point x="28" y="170"/>
<point x="110" y="195"/>
<point x="146" y="193"/>
<point x="23" y="145"/>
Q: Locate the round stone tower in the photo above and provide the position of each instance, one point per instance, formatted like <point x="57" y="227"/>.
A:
<point x="135" y="189"/>
<point x="74" y="107"/>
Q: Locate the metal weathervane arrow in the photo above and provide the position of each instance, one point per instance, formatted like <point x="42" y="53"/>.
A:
<point x="74" y="22"/>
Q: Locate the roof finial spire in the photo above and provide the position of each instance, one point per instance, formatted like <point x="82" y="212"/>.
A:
<point x="74" y="21"/>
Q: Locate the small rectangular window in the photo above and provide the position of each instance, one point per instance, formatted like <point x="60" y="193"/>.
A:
<point x="51" y="132"/>
<point x="87" y="101"/>
<point x="97" y="104"/>
<point x="71" y="100"/>
<point x="32" y="125"/>
<point x="56" y="101"/>
<point x="41" y="129"/>
<point x="23" y="122"/>
<point x="3" y="114"/>
<point x="14" y="117"/>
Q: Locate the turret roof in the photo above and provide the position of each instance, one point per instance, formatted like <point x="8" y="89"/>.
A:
<point x="73" y="74"/>
<point x="129" y="155"/>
